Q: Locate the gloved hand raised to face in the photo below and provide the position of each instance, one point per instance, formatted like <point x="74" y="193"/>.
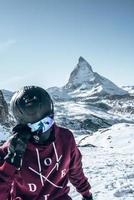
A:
<point x="18" y="144"/>
<point x="87" y="197"/>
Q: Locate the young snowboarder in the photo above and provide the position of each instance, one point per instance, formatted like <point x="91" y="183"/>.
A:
<point x="40" y="158"/>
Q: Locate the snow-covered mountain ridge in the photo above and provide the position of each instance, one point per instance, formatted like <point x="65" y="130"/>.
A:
<point x="83" y="82"/>
<point x="129" y="89"/>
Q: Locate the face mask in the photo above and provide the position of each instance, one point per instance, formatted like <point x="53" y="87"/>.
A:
<point x="41" y="126"/>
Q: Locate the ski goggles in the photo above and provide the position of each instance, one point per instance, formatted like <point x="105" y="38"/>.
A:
<point x="41" y="126"/>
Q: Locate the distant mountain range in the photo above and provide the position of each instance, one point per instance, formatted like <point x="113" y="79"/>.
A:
<point x="89" y="101"/>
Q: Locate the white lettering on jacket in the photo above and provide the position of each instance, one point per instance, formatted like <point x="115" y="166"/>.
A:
<point x="32" y="187"/>
<point x="63" y="173"/>
<point x="48" y="161"/>
<point x="18" y="198"/>
<point x="46" y="196"/>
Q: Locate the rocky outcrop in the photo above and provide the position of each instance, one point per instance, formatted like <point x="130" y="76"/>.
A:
<point x="3" y="109"/>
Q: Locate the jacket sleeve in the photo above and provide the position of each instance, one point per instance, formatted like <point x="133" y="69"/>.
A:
<point x="76" y="174"/>
<point x="7" y="172"/>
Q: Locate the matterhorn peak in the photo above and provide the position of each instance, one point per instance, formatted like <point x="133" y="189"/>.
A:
<point x="83" y="78"/>
<point x="83" y="64"/>
<point x="81" y="75"/>
<point x="81" y="59"/>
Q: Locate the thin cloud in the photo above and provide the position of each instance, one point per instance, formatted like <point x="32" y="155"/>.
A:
<point x="7" y="44"/>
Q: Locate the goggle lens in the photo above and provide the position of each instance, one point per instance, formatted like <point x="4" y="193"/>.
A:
<point x="41" y="126"/>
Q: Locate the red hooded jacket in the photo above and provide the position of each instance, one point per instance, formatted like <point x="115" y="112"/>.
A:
<point x="45" y="171"/>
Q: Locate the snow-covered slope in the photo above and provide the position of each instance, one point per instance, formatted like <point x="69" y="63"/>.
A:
<point x="129" y="89"/>
<point x="58" y="94"/>
<point x="119" y="137"/>
<point x="109" y="166"/>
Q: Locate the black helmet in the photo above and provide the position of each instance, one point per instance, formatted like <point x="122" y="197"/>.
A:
<point x="31" y="104"/>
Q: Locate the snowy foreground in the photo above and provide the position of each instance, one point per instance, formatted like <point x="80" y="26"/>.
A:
<point x="110" y="165"/>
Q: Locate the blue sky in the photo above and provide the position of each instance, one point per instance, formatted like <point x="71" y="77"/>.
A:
<point x="41" y="40"/>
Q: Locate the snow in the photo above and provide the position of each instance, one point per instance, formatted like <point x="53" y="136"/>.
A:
<point x="58" y="93"/>
<point x="119" y="137"/>
<point x="82" y="73"/>
<point x="83" y="92"/>
<point x="108" y="86"/>
<point x="129" y="89"/>
<point x="4" y="133"/>
<point x="110" y="165"/>
<point x="79" y="110"/>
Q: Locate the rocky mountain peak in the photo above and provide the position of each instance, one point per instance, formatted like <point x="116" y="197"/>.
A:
<point x="82" y="74"/>
<point x="81" y="59"/>
<point x="84" y="79"/>
<point x="84" y="65"/>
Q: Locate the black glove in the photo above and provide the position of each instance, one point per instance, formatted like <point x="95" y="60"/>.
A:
<point x="87" y="197"/>
<point x="18" y="144"/>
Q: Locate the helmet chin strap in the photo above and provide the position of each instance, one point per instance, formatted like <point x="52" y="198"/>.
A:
<point x="41" y="139"/>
